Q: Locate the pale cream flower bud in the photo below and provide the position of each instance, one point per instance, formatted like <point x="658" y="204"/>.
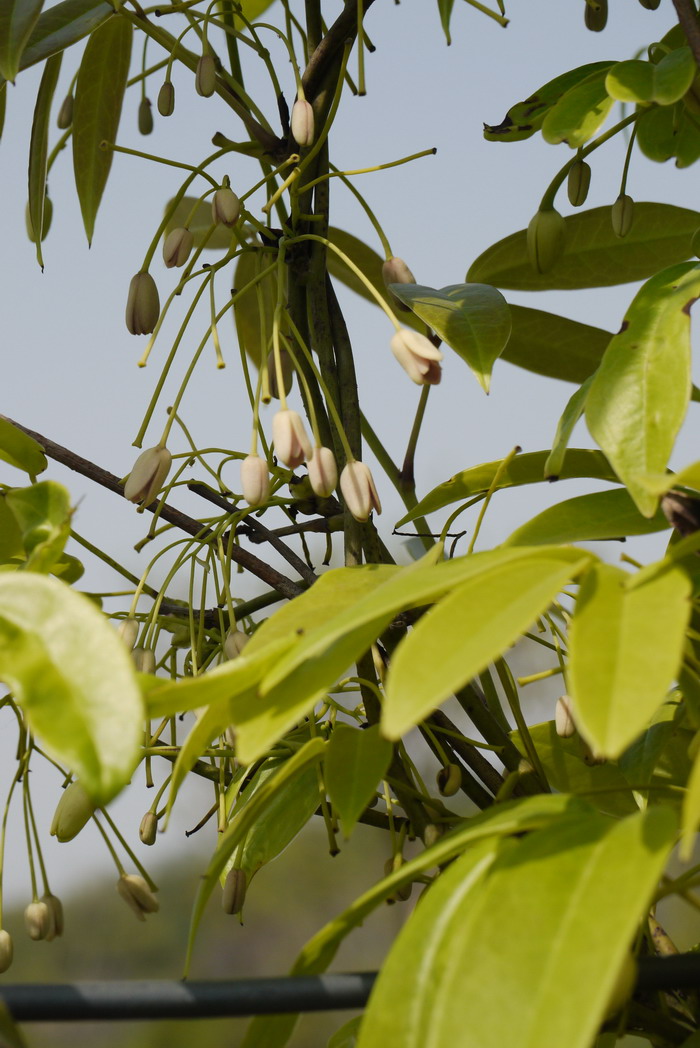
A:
<point x="65" y="113"/>
<point x="166" y="99"/>
<point x="287" y="372"/>
<point x="128" y="630"/>
<point x="431" y="834"/>
<point x="144" y="660"/>
<point x="449" y="779"/>
<point x="564" y="718"/>
<point x="292" y="445"/>
<point x="136" y="893"/>
<point x="148" y="828"/>
<point x="142" y="304"/>
<point x="234" y="643"/>
<point x="37" y="920"/>
<point x="323" y="472"/>
<point x="205" y="76"/>
<point x="233" y="895"/>
<point x="73" y="810"/>
<point x="6" y="950"/>
<point x="255" y="480"/>
<point x="395" y="271"/>
<point x="177" y="246"/>
<point x="145" y="116"/>
<point x="302" y="123"/>
<point x="55" y="908"/>
<point x="147" y="477"/>
<point x="419" y="358"/>
<point x="358" y="490"/>
<point x="225" y="207"/>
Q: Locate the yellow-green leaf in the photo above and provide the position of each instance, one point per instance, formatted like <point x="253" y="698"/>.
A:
<point x="579" y="112"/>
<point x="21" y="450"/>
<point x="38" y="149"/>
<point x="17" y="19"/>
<point x="588" y="518"/>
<point x="354" y="764"/>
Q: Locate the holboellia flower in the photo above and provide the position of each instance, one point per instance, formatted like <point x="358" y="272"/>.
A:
<point x="255" y="480"/>
<point x="323" y="472"/>
<point x="302" y="123"/>
<point x="146" y="478"/>
<point x="142" y="304"/>
<point x="358" y="490"/>
<point x="136" y="893"/>
<point x="292" y="445"/>
<point x="419" y="358"/>
<point x="225" y="206"/>
<point x="177" y="246"/>
<point x="73" y="810"/>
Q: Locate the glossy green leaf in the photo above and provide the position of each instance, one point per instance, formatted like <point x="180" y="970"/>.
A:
<point x="550" y="982"/>
<point x="659" y="758"/>
<point x="38" y="148"/>
<point x="11" y="547"/>
<point x="62" y="26"/>
<point x="473" y="319"/>
<point x="74" y="679"/>
<point x="523" y="469"/>
<point x="523" y="119"/>
<point x="43" y="513"/>
<point x="593" y="256"/>
<point x="625" y="648"/>
<point x="565" y="428"/>
<point x="68" y="569"/>
<point x="664" y="82"/>
<point x="445" y="12"/>
<point x="588" y="518"/>
<point x="579" y="112"/>
<point x="631" y="81"/>
<point x="640" y="393"/>
<point x="17" y="19"/>
<point x="467" y="630"/>
<point x="355" y="763"/>
<point x="99" y="92"/>
<point x="554" y="346"/>
<point x="21" y="450"/>
<point x="371" y="265"/>
<point x="254" y="310"/>
<point x="196" y="215"/>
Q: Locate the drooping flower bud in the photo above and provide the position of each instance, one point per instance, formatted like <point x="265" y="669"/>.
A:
<point x="6" y="950"/>
<point x="287" y="372"/>
<point x="205" y="76"/>
<point x="358" y="490"/>
<point x="302" y="123"/>
<point x="144" y="660"/>
<point x="55" y="909"/>
<point x="546" y="235"/>
<point x="431" y="834"/>
<point x="395" y="271"/>
<point x="45" y="222"/>
<point x="233" y="895"/>
<point x="225" y="207"/>
<point x="37" y="920"/>
<point x="73" y="810"/>
<point x="146" y="478"/>
<point x="148" y="828"/>
<point x="128" y="630"/>
<point x="323" y="472"/>
<point x="136" y="893"/>
<point x="621" y="214"/>
<point x="292" y="445"/>
<point x="449" y="779"/>
<point x="166" y="98"/>
<point x="578" y="182"/>
<point x="564" y="718"/>
<point x="234" y="643"/>
<point x="177" y="246"/>
<point x="417" y="355"/>
<point x="142" y="304"/>
<point x="255" y="480"/>
<point x="145" y="116"/>
<point x="64" y="119"/>
<point x="596" y="16"/>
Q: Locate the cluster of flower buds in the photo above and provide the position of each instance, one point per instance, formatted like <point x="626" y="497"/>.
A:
<point x="73" y="810"/>
<point x="417" y="355"/>
<point x="147" y="477"/>
<point x="136" y="893"/>
<point x="177" y="246"/>
<point x="144" y="660"/>
<point x="358" y="490"/>
<point x="142" y="304"/>
<point x="302" y="123"/>
<point x="621" y="215"/>
<point x="546" y="235"/>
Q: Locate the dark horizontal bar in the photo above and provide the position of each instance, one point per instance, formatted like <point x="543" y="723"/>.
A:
<point x="161" y="999"/>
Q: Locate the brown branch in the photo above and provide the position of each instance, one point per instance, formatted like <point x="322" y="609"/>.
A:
<point x="344" y="28"/>
<point x="688" y="20"/>
<point x="286" y="587"/>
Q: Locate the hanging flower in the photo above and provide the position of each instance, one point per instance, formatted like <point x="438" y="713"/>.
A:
<point x="292" y="445"/>
<point x="255" y="480"/>
<point x="323" y="472"/>
<point x="146" y="478"/>
<point x="142" y="304"/>
<point x="358" y="490"/>
<point x="417" y="355"/>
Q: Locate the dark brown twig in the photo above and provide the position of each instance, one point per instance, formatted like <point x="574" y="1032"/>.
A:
<point x="688" y="20"/>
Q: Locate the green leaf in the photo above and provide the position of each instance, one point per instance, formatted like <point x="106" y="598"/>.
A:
<point x="659" y="758"/>
<point x="565" y="428"/>
<point x="445" y="12"/>
<point x="522" y="469"/>
<point x="17" y="19"/>
<point x="554" y="346"/>
<point x="196" y="215"/>
<point x="38" y="148"/>
<point x="588" y="518"/>
<point x="11" y="547"/>
<point x="74" y="679"/>
<point x="254" y="310"/>
<point x="43" y="513"/>
<point x="631" y="81"/>
<point x="473" y="319"/>
<point x="579" y="112"/>
<point x="664" y="82"/>
<point x="99" y="92"/>
<point x="625" y="648"/>
<point x="640" y="393"/>
<point x="661" y="235"/>
<point x="62" y="26"/>
<point x="476" y="623"/>
<point x="523" y="119"/>
<point x="354" y="764"/>
<point x="3" y="104"/>
<point x="690" y="818"/>
<point x="21" y="450"/>
<point x="366" y="259"/>
<point x="549" y="983"/>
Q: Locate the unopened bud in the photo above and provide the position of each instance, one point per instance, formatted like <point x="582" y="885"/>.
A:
<point x="6" y="950"/>
<point x="177" y="246"/>
<point x="255" y="480"/>
<point x="128" y="630"/>
<point x="621" y="214"/>
<point x="578" y="183"/>
<point x="395" y="271"/>
<point x="55" y="910"/>
<point x="64" y="119"/>
<point x="596" y="16"/>
<point x="323" y="472"/>
<point x="147" y="477"/>
<point x="73" y="810"/>
<point x="417" y="355"/>
<point x="564" y="718"/>
<point x="142" y="304"/>
<point x="37" y="920"/>
<point x="144" y="660"/>
<point x="45" y="222"/>
<point x="166" y="99"/>
<point x="145" y="116"/>
<point x="292" y="445"/>
<point x="431" y="834"/>
<point x="225" y="207"/>
<point x="545" y="239"/>
<point x="205" y="76"/>
<point x="234" y="643"/>
<point x="404" y="892"/>
<point x="449" y="779"/>
<point x="358" y="490"/>
<point x="302" y="123"/>
<point x="148" y="828"/>
<point x="136" y="893"/>
<point x="287" y="368"/>
<point x="233" y="895"/>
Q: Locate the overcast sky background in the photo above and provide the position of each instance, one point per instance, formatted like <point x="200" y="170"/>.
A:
<point x="70" y="364"/>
